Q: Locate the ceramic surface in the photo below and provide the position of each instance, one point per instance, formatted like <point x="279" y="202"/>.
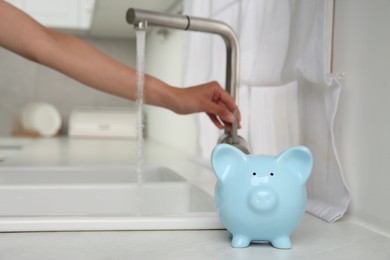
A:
<point x="261" y="198"/>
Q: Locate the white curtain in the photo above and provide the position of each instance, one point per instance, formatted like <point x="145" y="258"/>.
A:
<point x="285" y="96"/>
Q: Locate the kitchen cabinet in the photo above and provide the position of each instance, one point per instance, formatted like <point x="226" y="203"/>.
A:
<point x="70" y="14"/>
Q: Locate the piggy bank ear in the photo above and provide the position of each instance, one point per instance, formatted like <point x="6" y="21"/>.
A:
<point x="299" y="158"/>
<point x="225" y="160"/>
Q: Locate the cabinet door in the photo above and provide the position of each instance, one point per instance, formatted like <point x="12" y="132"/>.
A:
<point x="17" y="3"/>
<point x="68" y="14"/>
<point x="59" y="14"/>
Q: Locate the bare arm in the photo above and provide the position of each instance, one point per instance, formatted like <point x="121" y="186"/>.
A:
<point x="71" y="56"/>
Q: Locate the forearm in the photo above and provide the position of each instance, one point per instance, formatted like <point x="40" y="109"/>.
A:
<point x="71" y="56"/>
<point x="75" y="58"/>
<point x="90" y="66"/>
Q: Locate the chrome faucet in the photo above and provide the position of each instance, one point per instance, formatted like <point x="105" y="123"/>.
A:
<point x="141" y="19"/>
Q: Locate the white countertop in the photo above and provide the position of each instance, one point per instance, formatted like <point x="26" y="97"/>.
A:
<point x="84" y="152"/>
<point x="313" y="239"/>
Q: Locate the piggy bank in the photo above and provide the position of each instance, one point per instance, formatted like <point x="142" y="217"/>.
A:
<point x="261" y="198"/>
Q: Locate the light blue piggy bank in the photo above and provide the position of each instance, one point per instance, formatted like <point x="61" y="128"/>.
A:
<point x="261" y="198"/>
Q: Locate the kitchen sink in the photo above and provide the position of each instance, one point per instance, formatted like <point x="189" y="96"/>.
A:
<point x="9" y="148"/>
<point x="102" y="198"/>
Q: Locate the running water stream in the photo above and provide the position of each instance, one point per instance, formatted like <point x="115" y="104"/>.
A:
<point x="140" y="36"/>
<point x="140" y="75"/>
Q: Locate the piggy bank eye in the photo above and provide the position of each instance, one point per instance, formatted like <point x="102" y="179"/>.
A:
<point x="271" y="174"/>
<point x="254" y="174"/>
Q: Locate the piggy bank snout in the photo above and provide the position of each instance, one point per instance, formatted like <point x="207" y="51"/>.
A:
<point x="262" y="199"/>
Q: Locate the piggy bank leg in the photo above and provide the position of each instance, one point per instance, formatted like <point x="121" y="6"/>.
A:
<point x="240" y="241"/>
<point x="282" y="242"/>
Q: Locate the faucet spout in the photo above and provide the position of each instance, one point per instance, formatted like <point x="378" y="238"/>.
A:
<point x="183" y="22"/>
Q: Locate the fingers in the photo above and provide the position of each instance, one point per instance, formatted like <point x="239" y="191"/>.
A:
<point x="226" y="99"/>
<point x="224" y="108"/>
<point x="220" y="124"/>
<point x="212" y="99"/>
<point x="215" y="120"/>
<point x="221" y="116"/>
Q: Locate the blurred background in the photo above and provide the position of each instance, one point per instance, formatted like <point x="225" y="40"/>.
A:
<point x="103" y="24"/>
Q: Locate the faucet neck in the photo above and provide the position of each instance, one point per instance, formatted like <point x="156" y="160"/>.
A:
<point x="140" y="17"/>
<point x="182" y="22"/>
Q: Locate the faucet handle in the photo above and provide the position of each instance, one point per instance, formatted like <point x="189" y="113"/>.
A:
<point x="233" y="138"/>
<point x="237" y="141"/>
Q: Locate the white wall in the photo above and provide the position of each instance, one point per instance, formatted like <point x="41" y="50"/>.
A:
<point x="362" y="51"/>
<point x="22" y="81"/>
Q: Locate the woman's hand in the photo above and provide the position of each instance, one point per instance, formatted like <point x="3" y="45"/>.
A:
<point x="210" y="98"/>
